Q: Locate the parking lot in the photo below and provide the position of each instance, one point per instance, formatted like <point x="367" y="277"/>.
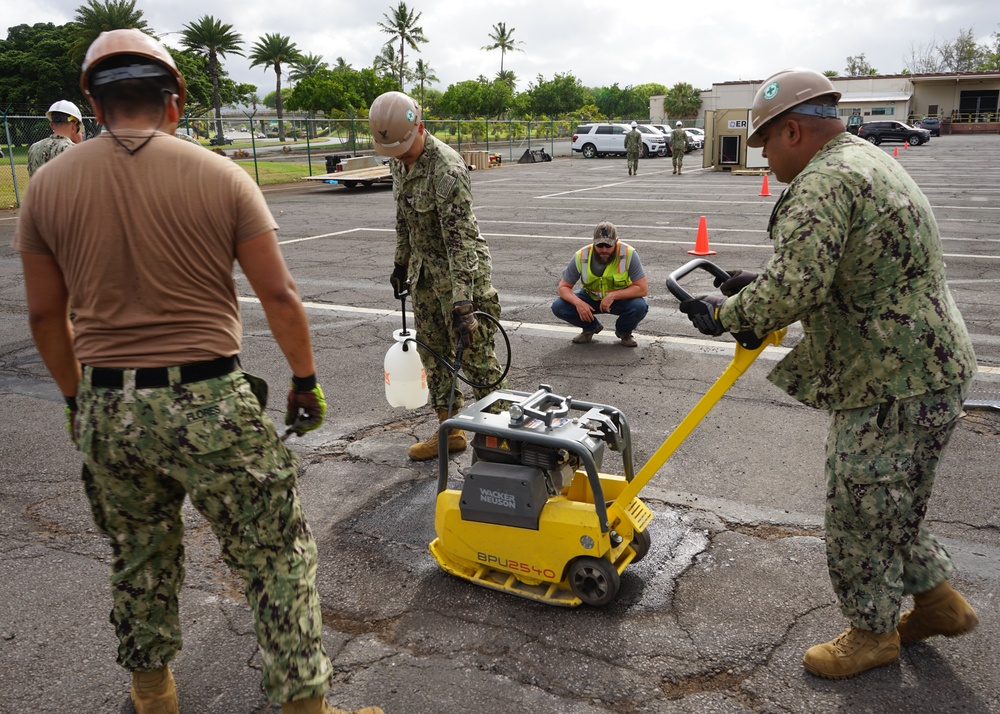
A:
<point x="717" y="616"/>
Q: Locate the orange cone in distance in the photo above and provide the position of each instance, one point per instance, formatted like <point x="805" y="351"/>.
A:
<point x="906" y="145"/>
<point x="895" y="151"/>
<point x="701" y="242"/>
<point x="764" y="191"/>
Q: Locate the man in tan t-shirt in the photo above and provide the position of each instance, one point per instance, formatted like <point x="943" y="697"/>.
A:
<point x="140" y="231"/>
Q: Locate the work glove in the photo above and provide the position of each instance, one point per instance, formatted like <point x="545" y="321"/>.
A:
<point x="738" y="279"/>
<point x="464" y="321"/>
<point x="306" y="405"/>
<point x="71" y="417"/>
<point x="398" y="281"/>
<point x="703" y="312"/>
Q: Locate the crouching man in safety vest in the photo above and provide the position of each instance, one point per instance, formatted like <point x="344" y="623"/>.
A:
<point x="612" y="280"/>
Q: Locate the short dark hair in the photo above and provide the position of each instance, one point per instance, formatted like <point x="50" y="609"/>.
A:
<point x="61" y="118"/>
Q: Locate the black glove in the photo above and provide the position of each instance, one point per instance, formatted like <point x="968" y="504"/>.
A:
<point x="703" y="312"/>
<point x="306" y="405"/>
<point x="398" y="281"/>
<point x="465" y="322"/>
<point x="738" y="279"/>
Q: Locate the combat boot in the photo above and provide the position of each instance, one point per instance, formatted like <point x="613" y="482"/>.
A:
<point x="939" y="611"/>
<point x="852" y="652"/>
<point x="318" y="705"/>
<point x="428" y="449"/>
<point x="154" y="692"/>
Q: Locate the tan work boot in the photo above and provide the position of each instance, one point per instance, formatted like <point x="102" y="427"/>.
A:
<point x="154" y="692"/>
<point x="851" y="653"/>
<point x="627" y="339"/>
<point x="318" y="705"/>
<point x="939" y="611"/>
<point x="428" y="448"/>
<point x="585" y="336"/>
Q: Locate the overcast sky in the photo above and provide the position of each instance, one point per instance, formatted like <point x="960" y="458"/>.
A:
<point x="599" y="42"/>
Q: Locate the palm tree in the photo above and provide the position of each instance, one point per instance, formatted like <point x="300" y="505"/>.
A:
<point x="387" y="63"/>
<point x="211" y="37"/>
<point x="306" y="66"/>
<point x="423" y="73"/>
<point x="403" y="24"/>
<point x="96" y="17"/>
<point x="342" y="65"/>
<point x="503" y="40"/>
<point x="272" y="51"/>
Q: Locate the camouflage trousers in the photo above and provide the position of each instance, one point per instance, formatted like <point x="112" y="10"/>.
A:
<point x="144" y="450"/>
<point x="678" y="159"/>
<point x="432" y="312"/>
<point x="880" y="467"/>
<point x="633" y="160"/>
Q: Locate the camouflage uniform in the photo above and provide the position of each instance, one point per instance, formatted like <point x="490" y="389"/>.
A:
<point x="143" y="450"/>
<point x="678" y="143"/>
<point x="45" y="150"/>
<point x="448" y="261"/>
<point x="633" y="147"/>
<point x="858" y="261"/>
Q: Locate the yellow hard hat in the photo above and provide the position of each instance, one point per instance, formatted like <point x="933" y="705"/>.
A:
<point x="786" y="90"/>
<point x="128" y="42"/>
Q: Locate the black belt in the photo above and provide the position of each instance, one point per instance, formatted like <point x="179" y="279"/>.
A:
<point x="152" y="377"/>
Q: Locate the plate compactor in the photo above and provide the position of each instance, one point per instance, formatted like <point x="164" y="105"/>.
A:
<point x="535" y="516"/>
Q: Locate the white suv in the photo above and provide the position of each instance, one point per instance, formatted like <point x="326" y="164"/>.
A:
<point x="594" y="140"/>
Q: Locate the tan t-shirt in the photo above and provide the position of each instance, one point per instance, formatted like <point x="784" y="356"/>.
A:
<point x="146" y="244"/>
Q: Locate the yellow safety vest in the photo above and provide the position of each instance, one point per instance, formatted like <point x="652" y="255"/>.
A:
<point x="615" y="274"/>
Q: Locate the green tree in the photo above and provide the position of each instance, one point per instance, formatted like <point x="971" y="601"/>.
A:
<point x="560" y="95"/>
<point x="402" y="25"/>
<point x="347" y="91"/>
<point x="36" y="70"/>
<point x="830" y="73"/>
<point x="858" y="66"/>
<point x="96" y="17"/>
<point x="215" y="39"/>
<point x="307" y="66"/>
<point x="682" y="101"/>
<point x="961" y="55"/>
<point x="503" y="40"/>
<point x="991" y="55"/>
<point x="271" y="51"/>
<point x="621" y="103"/>
<point x="387" y="62"/>
<point x="423" y="74"/>
<point x="342" y="65"/>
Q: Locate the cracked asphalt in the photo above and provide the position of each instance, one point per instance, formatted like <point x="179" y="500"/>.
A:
<point x="734" y="588"/>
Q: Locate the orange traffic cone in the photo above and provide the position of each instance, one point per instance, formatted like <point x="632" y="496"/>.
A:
<point x="895" y="151"/>
<point x="701" y="242"/>
<point x="906" y="145"/>
<point x="763" y="189"/>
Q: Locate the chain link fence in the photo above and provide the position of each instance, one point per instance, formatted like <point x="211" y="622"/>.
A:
<point x="297" y="148"/>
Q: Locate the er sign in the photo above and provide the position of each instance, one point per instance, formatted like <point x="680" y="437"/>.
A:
<point x="737" y="123"/>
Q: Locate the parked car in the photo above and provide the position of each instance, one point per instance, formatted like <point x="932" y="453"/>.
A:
<point x="697" y="134"/>
<point x="220" y="140"/>
<point x="878" y="131"/>
<point x="931" y="124"/>
<point x="656" y="135"/>
<point x="594" y="140"/>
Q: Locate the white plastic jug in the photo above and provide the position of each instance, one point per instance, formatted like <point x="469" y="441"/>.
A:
<point x="405" y="378"/>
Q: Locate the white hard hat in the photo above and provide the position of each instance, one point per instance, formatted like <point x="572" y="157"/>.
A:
<point x="67" y="108"/>
<point x="679" y="123"/>
<point x="634" y="125"/>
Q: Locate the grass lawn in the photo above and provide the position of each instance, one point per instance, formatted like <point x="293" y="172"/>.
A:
<point x="273" y="172"/>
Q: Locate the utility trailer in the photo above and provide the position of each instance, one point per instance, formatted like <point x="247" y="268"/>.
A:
<point x="364" y="170"/>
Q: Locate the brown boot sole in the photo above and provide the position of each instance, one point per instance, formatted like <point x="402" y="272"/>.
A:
<point x="822" y="675"/>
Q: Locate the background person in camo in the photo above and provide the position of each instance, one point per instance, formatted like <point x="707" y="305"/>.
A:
<point x="858" y="261"/>
<point x="633" y="147"/>
<point x="66" y="123"/>
<point x="442" y="257"/>
<point x="678" y="144"/>
<point x="613" y="282"/>
<point x="142" y="230"/>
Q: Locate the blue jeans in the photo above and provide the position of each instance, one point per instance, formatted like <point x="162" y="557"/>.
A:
<point x="630" y="313"/>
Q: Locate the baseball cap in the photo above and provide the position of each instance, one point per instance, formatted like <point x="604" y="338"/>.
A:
<point x="605" y="234"/>
<point x="393" y="120"/>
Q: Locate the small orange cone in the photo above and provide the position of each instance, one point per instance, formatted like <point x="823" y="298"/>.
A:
<point x="906" y="145"/>
<point x="701" y="242"/>
<point x="895" y="151"/>
<point x="763" y="189"/>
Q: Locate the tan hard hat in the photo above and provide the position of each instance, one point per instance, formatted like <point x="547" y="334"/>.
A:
<point x="393" y="120"/>
<point x="127" y="42"/>
<point x="783" y="91"/>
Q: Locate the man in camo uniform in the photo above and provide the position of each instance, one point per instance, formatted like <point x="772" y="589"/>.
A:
<point x="141" y="230"/>
<point x="66" y="123"/>
<point x="858" y="261"/>
<point x="440" y="251"/>
<point x="633" y="147"/>
<point x="678" y="144"/>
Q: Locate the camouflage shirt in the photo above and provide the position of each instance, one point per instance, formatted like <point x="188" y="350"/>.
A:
<point x="437" y="234"/>
<point x="858" y="261"/>
<point x="633" y="142"/>
<point x="45" y="150"/>
<point x="678" y="138"/>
